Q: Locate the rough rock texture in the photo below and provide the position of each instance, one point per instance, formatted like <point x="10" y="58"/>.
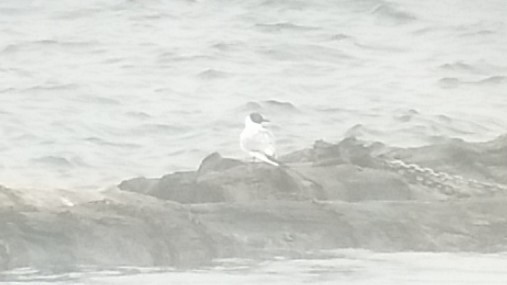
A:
<point x="349" y="194"/>
<point x="348" y="171"/>
<point x="485" y="161"/>
<point x="112" y="228"/>
<point x="247" y="182"/>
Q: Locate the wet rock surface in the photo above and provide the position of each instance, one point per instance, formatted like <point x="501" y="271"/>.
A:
<point x="446" y="197"/>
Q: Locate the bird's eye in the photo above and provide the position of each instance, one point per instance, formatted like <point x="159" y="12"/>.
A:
<point x="256" y="117"/>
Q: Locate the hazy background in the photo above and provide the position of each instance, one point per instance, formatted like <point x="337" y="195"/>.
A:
<point x="92" y="92"/>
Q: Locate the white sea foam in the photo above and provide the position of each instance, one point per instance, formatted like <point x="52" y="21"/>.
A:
<point x="93" y="92"/>
<point x="356" y="267"/>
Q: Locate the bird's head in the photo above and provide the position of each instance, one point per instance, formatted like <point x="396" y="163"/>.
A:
<point x="255" y="118"/>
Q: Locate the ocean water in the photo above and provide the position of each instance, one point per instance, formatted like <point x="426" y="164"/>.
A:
<point x="93" y="92"/>
<point x="355" y="267"/>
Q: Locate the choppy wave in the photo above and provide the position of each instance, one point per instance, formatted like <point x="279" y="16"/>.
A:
<point x="108" y="90"/>
<point x="389" y="13"/>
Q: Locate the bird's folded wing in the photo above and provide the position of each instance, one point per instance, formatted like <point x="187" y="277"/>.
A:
<point x="262" y="141"/>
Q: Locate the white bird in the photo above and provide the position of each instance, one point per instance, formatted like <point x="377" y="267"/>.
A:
<point x="258" y="141"/>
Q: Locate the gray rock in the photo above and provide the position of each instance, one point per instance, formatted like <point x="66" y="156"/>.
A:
<point x="116" y="228"/>
<point x="226" y="180"/>
<point x="331" y="196"/>
<point x="128" y="229"/>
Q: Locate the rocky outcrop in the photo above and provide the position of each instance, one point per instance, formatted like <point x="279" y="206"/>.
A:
<point x="248" y="182"/>
<point x="350" y="194"/>
<point x="109" y="229"/>
<point x="348" y="171"/>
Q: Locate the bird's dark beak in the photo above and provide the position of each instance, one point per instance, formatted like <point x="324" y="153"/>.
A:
<point x="265" y="120"/>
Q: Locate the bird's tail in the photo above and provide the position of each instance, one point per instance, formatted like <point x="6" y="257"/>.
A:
<point x="275" y="162"/>
<point x="278" y="163"/>
<point x="268" y="159"/>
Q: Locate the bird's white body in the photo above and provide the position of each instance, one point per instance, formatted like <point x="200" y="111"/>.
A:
<point x="258" y="141"/>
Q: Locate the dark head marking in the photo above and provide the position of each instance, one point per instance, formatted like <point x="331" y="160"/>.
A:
<point x="257" y="118"/>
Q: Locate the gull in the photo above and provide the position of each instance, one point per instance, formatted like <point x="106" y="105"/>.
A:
<point x="258" y="141"/>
